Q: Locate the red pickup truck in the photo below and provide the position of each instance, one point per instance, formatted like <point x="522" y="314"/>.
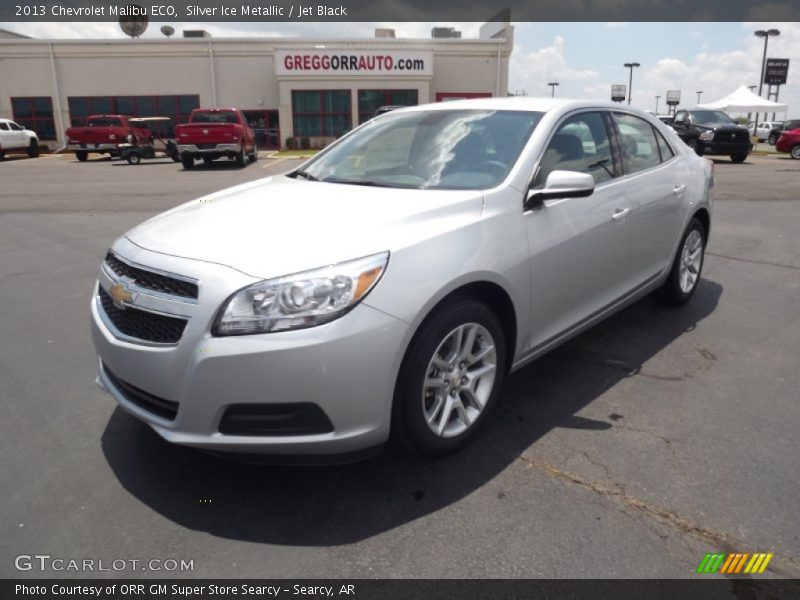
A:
<point x="104" y="134"/>
<point x="215" y="132"/>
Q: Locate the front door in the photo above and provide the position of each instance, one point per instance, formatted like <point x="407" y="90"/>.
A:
<point x="579" y="246"/>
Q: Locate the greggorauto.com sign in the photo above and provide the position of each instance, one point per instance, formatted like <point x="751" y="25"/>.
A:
<point x="352" y="62"/>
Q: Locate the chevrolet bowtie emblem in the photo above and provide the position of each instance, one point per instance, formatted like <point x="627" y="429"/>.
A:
<point x="121" y="295"/>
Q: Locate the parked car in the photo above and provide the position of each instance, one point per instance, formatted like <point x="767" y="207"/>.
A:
<point x="388" y="285"/>
<point x="764" y="129"/>
<point x="790" y="142"/>
<point x="15" y="137"/>
<point x="712" y="132"/>
<point x="105" y="134"/>
<point x="215" y="132"/>
<point x="780" y="128"/>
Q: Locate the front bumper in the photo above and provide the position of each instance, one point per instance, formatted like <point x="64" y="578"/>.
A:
<point x="347" y="367"/>
<point x="223" y="148"/>
<point x="726" y="148"/>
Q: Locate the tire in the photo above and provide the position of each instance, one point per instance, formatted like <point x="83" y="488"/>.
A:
<point x="240" y="158"/>
<point x="416" y="404"/>
<point x="253" y="157"/>
<point x="680" y="285"/>
<point x="175" y="156"/>
<point x="2" y="154"/>
<point x="33" y="149"/>
<point x="773" y="139"/>
<point x="134" y="159"/>
<point x="188" y="161"/>
<point x="81" y="155"/>
<point x="795" y="151"/>
<point x="696" y="147"/>
<point x="739" y="158"/>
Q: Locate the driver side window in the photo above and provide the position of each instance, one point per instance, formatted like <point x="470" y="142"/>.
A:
<point x="581" y="143"/>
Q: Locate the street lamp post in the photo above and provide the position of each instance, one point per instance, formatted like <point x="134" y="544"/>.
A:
<point x="766" y="34"/>
<point x="699" y="93"/>
<point x="553" y="85"/>
<point x="657" y="97"/>
<point x="631" y="66"/>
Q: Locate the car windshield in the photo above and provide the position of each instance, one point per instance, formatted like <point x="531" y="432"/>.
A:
<point x="216" y="116"/>
<point x="434" y="149"/>
<point x="716" y="117"/>
<point x="103" y="122"/>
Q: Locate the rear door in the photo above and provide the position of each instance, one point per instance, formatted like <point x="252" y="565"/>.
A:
<point x="579" y="246"/>
<point x="655" y="181"/>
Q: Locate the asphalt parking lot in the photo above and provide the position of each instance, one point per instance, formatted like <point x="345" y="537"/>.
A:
<point x="631" y="451"/>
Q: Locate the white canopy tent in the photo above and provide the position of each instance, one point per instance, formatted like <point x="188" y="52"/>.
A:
<point x="743" y="100"/>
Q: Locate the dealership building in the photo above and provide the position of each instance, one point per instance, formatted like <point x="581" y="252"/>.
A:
<point x="286" y="87"/>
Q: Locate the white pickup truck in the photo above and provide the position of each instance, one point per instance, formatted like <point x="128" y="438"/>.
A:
<point x="16" y="137"/>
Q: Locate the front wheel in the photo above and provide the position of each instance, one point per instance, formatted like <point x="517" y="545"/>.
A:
<point x="686" y="268"/>
<point x="450" y="378"/>
<point x="795" y="151"/>
<point x="773" y="139"/>
<point x="239" y="158"/>
<point x="134" y="159"/>
<point x="33" y="149"/>
<point x="254" y="156"/>
<point x="739" y="158"/>
<point x="188" y="161"/>
<point x="81" y="155"/>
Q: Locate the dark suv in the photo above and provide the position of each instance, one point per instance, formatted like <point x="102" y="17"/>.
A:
<point x="712" y="132"/>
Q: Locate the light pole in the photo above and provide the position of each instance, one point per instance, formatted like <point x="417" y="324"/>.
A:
<point x="657" y="97"/>
<point x="765" y="33"/>
<point x="553" y="85"/>
<point x="699" y="93"/>
<point x="631" y="66"/>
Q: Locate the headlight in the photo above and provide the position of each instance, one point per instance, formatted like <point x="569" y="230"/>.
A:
<point x="707" y="136"/>
<point x="300" y="300"/>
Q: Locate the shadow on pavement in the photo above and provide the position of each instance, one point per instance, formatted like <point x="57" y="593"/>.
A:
<point x="324" y="506"/>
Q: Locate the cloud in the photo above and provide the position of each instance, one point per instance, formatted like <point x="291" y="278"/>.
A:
<point x="531" y="71"/>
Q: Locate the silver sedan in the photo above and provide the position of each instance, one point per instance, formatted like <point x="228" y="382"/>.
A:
<point x="388" y="286"/>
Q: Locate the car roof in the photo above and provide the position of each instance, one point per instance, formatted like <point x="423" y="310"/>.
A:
<point x="524" y="103"/>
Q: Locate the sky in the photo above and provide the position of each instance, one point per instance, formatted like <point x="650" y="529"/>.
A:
<point x="584" y="58"/>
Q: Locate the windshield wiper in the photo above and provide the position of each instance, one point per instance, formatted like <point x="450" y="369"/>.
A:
<point x="304" y="175"/>
<point x="366" y="182"/>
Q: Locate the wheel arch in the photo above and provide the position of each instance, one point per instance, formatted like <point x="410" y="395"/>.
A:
<point x="704" y="217"/>
<point x="490" y="293"/>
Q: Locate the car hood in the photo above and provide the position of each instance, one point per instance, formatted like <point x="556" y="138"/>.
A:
<point x="722" y="127"/>
<point x="278" y="226"/>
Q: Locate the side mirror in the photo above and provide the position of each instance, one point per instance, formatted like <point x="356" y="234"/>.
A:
<point x="561" y="184"/>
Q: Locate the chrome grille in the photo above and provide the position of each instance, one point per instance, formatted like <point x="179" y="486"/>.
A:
<point x="140" y="324"/>
<point x="150" y="280"/>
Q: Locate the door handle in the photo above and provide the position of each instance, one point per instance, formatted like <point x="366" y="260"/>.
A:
<point x="620" y="214"/>
<point x="678" y="190"/>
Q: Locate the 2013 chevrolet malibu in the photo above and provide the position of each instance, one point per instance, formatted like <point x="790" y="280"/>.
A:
<point x="388" y="285"/>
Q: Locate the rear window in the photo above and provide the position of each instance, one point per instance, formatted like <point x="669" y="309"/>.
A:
<point x="216" y="116"/>
<point x="103" y="122"/>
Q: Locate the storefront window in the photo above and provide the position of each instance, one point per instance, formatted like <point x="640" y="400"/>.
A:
<point x="35" y="113"/>
<point x="324" y="113"/>
<point x="371" y="100"/>
<point x="177" y="108"/>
